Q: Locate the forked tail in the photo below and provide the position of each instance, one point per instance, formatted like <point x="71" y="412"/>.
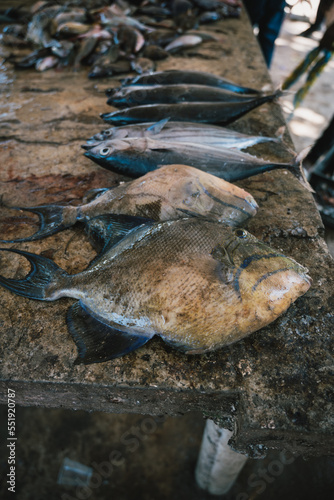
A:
<point x="36" y="284"/>
<point x="52" y="219"/>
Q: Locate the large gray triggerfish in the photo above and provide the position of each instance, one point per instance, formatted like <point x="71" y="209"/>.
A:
<point x="197" y="283"/>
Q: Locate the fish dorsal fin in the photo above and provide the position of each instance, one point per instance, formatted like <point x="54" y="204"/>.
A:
<point x="97" y="341"/>
<point x="157" y="127"/>
<point x="104" y="231"/>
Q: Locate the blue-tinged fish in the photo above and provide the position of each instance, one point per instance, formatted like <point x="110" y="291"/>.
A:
<point x="138" y="95"/>
<point x="174" y="76"/>
<point x="167" y="193"/>
<point x="198" y="284"/>
<point x="135" y="157"/>
<point x="202" y="112"/>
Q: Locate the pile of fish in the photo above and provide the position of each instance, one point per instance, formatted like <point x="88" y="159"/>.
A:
<point x="172" y="124"/>
<point x="108" y="37"/>
<point x="172" y="257"/>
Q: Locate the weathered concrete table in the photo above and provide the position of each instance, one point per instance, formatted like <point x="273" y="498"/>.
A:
<point x="273" y="389"/>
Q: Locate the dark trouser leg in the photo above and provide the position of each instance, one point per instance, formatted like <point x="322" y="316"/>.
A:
<point x="268" y="15"/>
<point x="323" y="144"/>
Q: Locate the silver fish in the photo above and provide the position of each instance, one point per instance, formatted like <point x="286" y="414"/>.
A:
<point x="183" y="42"/>
<point x="167" y="193"/>
<point x="190" y="132"/>
<point x="198" y="284"/>
<point x="136" y="157"/>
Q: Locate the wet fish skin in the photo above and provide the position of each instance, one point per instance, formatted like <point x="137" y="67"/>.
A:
<point x="167" y="193"/>
<point x="31" y="59"/>
<point x="136" y="157"/>
<point x="155" y="53"/>
<point x="46" y="63"/>
<point x="191" y="77"/>
<point x="171" y="94"/>
<point x="210" y="135"/>
<point x="223" y="113"/>
<point x="183" y="42"/>
<point x="198" y="284"/>
<point x="71" y="29"/>
<point x="142" y="65"/>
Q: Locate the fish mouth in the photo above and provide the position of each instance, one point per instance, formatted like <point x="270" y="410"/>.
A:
<point x="250" y="200"/>
<point x="285" y="265"/>
<point x="303" y="276"/>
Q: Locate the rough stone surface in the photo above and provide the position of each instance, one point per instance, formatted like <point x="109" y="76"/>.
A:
<point x="273" y="389"/>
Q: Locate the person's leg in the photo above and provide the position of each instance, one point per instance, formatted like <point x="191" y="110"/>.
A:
<point x="268" y="15"/>
<point x="269" y="27"/>
<point x="322" y="145"/>
<point x="255" y="9"/>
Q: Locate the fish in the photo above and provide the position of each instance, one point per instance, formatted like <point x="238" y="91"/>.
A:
<point x="155" y="53"/>
<point x="155" y="11"/>
<point x="137" y="95"/>
<point x="135" y="157"/>
<point x="13" y="41"/>
<point x="76" y="15"/>
<point x="38" y="29"/>
<point x="64" y="49"/>
<point x="183" y="42"/>
<point x="71" y="29"/>
<point x="115" y="21"/>
<point x="174" y="76"/>
<point x="167" y="193"/>
<point x="86" y="48"/>
<point x="190" y="132"/>
<point x="30" y="60"/>
<point x="142" y="65"/>
<point x="101" y="71"/>
<point x="198" y="284"/>
<point x="46" y="63"/>
<point x="223" y="113"/>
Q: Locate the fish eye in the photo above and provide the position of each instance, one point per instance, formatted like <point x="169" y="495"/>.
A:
<point x="104" y="151"/>
<point x="240" y="233"/>
<point x="107" y="132"/>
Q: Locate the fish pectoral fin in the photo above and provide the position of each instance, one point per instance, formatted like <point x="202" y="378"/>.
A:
<point x="104" y="231"/>
<point x="188" y="213"/>
<point x="97" y="341"/>
<point x="157" y="127"/>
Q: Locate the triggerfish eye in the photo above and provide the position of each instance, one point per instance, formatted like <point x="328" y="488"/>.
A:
<point x="240" y="233"/>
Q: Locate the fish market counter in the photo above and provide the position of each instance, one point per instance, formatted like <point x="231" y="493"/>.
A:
<point x="273" y="389"/>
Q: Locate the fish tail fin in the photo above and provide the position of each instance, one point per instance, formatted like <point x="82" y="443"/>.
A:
<point x="52" y="219"/>
<point x="297" y="170"/>
<point x="35" y="285"/>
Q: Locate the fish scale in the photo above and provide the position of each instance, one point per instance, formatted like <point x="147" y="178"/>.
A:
<point x="167" y="193"/>
<point x="197" y="283"/>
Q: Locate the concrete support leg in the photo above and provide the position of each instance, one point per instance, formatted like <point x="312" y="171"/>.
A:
<point x="218" y="465"/>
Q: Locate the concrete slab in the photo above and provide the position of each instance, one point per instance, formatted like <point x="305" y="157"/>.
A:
<point x="272" y="389"/>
